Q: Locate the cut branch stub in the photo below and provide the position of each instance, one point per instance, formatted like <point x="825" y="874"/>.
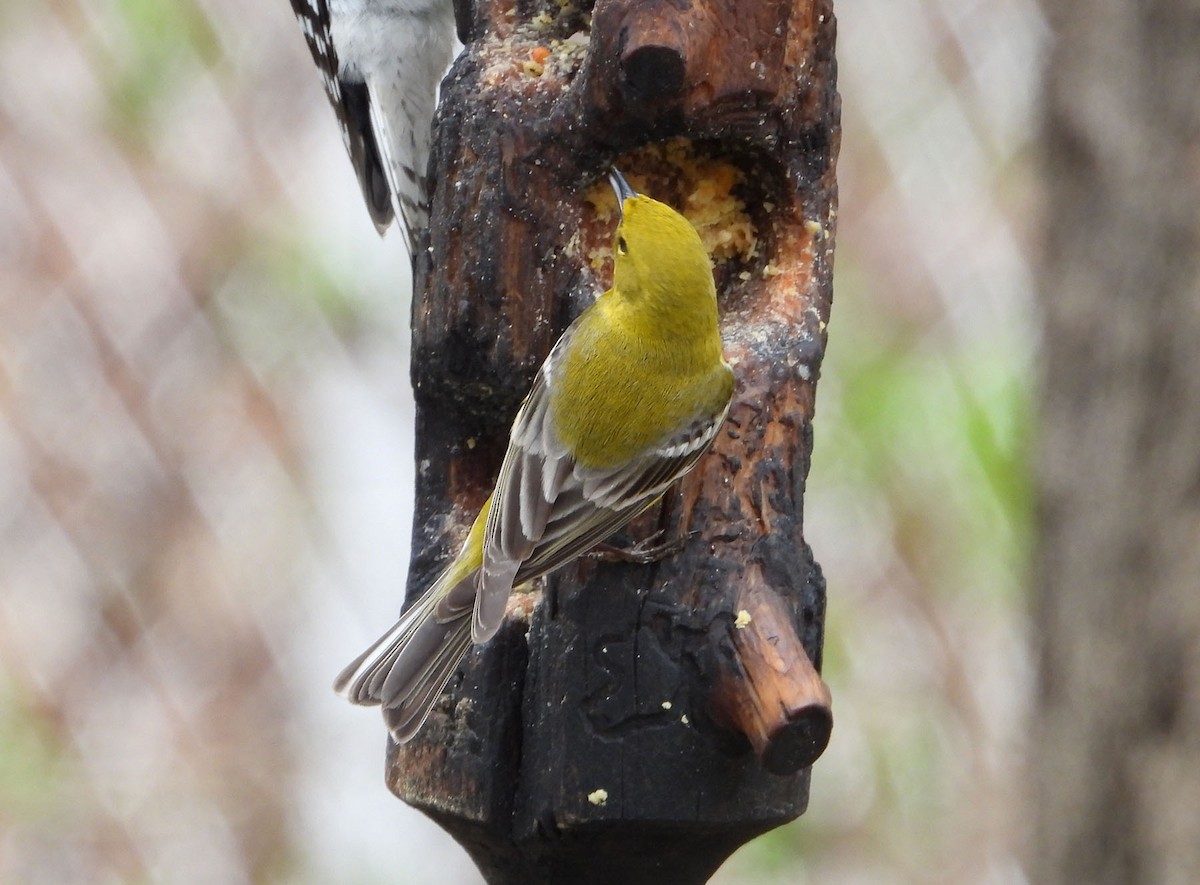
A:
<point x="652" y="57"/>
<point x="770" y="691"/>
<point x="694" y="56"/>
<point x="621" y="727"/>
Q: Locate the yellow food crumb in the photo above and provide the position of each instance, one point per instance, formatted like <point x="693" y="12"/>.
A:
<point x="717" y="214"/>
<point x="573" y="244"/>
<point x="742" y="620"/>
<point x="598" y="797"/>
<point x="603" y="203"/>
<point x="533" y="68"/>
<point x="599" y="256"/>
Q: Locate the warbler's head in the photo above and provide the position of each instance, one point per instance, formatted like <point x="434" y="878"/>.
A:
<point x="657" y="254"/>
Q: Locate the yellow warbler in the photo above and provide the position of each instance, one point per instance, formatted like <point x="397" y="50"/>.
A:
<point x="629" y="399"/>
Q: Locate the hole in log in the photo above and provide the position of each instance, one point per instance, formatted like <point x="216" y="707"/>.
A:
<point x="727" y="198"/>
<point x="652" y="74"/>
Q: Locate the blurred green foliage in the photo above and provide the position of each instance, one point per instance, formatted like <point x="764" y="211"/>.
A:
<point x="31" y="768"/>
<point x="154" y="47"/>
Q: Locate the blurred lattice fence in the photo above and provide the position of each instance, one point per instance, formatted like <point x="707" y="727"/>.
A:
<point x="204" y="455"/>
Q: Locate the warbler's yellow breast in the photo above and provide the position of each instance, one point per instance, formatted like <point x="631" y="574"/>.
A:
<point x="645" y="360"/>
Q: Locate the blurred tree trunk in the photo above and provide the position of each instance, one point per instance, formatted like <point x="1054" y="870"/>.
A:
<point x="1116" y="749"/>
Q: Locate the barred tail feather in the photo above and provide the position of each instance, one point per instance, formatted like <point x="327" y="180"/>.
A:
<point x="406" y="668"/>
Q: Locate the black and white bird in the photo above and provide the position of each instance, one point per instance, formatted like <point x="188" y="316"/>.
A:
<point x="381" y="62"/>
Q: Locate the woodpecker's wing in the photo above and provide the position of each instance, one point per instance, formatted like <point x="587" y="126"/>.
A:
<point x="351" y="102"/>
<point x="547" y="509"/>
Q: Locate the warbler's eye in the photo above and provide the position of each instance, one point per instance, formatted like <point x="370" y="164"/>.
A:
<point x="621" y="249"/>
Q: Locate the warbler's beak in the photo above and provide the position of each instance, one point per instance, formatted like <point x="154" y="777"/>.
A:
<point x="620" y="187"/>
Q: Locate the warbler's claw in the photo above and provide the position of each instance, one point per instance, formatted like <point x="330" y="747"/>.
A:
<point x="644" y="552"/>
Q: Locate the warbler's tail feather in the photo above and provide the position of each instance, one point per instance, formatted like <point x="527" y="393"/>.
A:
<point x="406" y="668"/>
<point x="360" y="682"/>
<point x="406" y="712"/>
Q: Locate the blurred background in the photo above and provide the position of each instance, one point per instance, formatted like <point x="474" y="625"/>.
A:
<point x="205" y="456"/>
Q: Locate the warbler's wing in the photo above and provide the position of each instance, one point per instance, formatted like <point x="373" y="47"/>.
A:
<point x="593" y="504"/>
<point x="547" y="509"/>
<point x="535" y="467"/>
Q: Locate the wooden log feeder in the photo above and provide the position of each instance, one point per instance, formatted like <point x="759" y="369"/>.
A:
<point x="630" y="723"/>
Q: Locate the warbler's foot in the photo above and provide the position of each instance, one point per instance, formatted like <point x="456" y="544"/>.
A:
<point x="644" y="552"/>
